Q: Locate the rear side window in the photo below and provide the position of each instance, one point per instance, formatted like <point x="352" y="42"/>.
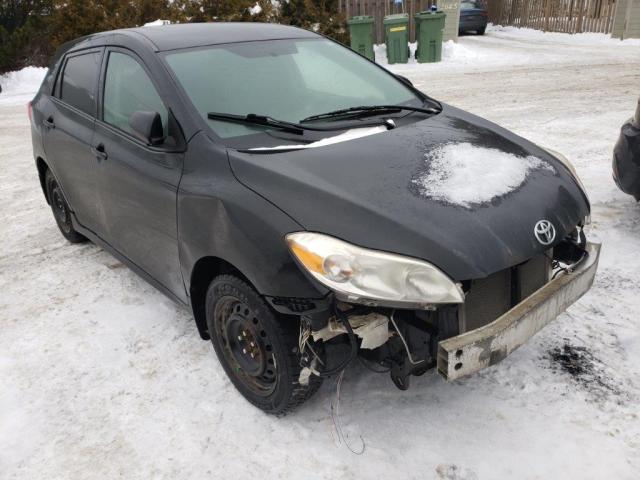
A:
<point x="127" y="89"/>
<point x="79" y="79"/>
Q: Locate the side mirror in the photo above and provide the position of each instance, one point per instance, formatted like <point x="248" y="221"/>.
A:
<point x="147" y="126"/>
<point x="404" y="80"/>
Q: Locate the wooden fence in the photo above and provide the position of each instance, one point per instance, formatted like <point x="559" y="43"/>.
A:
<point x="569" y="16"/>
<point x="379" y="8"/>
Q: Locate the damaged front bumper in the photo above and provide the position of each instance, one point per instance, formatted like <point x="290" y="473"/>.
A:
<point x="476" y="349"/>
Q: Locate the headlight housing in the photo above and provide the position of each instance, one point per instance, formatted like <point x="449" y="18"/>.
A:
<point x="371" y="277"/>
<point x="565" y="161"/>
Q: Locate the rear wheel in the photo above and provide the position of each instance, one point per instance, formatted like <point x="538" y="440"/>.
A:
<point x="258" y="351"/>
<point x="481" y="30"/>
<point x="61" y="211"/>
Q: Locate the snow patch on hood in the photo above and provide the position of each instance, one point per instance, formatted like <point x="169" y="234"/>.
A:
<point x="343" y="137"/>
<point x="467" y="175"/>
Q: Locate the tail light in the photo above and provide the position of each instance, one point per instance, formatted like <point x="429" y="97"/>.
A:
<point x="30" y="110"/>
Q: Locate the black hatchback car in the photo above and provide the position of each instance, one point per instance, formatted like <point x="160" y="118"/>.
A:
<point x="307" y="204"/>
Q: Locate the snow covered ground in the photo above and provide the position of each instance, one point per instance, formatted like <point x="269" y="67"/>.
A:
<point x="102" y="377"/>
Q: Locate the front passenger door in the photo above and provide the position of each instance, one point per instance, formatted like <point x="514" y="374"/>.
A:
<point x="139" y="182"/>
<point x="68" y="130"/>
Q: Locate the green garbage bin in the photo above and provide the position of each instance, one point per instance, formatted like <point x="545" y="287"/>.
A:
<point x="396" y="35"/>
<point x="361" y="33"/>
<point x="429" y="26"/>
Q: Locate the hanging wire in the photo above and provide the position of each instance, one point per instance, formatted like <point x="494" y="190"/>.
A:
<point x="304" y="343"/>
<point x="337" y="420"/>
<point x="406" y="347"/>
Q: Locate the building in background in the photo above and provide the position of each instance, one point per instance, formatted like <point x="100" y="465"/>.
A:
<point x="452" y="9"/>
<point x="626" y="21"/>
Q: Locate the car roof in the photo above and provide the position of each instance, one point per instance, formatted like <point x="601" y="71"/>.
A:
<point x="187" y="35"/>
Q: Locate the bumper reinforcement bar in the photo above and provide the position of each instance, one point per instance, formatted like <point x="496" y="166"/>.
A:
<point x="476" y="349"/>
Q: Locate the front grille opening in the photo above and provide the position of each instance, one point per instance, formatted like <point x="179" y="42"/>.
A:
<point x="490" y="297"/>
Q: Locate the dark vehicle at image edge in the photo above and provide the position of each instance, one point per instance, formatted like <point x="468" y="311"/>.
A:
<point x="271" y="179"/>
<point x="474" y="16"/>
<point x="626" y="156"/>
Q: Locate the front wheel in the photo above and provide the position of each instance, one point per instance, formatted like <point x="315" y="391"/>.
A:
<point x="61" y="210"/>
<point x="258" y="351"/>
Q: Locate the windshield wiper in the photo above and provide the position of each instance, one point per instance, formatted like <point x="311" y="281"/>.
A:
<point x="263" y="120"/>
<point x="368" y="110"/>
<point x="285" y="126"/>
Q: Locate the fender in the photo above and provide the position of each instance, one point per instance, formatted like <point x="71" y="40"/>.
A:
<point x="219" y="217"/>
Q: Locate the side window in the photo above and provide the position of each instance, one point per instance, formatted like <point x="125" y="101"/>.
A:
<point x="79" y="79"/>
<point x="127" y="89"/>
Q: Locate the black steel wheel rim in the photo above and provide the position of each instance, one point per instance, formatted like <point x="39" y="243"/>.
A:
<point x="59" y="206"/>
<point x="246" y="345"/>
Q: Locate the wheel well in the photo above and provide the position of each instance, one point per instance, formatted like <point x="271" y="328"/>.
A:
<point x="204" y="271"/>
<point x="42" y="171"/>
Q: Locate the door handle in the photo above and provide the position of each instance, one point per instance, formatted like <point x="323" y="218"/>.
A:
<point x="99" y="151"/>
<point x="49" y="123"/>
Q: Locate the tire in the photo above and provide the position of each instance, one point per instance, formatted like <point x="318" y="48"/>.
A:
<point x="482" y="30"/>
<point x="61" y="210"/>
<point x="257" y="349"/>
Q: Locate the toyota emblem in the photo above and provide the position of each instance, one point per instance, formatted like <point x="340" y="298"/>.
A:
<point x="545" y="232"/>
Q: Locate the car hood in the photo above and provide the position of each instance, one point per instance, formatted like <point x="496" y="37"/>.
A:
<point x="454" y="189"/>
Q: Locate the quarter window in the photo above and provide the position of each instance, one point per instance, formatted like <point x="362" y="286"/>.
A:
<point x="78" y="85"/>
<point x="128" y="89"/>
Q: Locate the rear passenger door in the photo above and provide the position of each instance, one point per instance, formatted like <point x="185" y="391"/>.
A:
<point x="139" y="182"/>
<point x="68" y="130"/>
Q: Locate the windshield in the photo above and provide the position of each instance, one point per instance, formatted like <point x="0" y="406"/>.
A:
<point x="284" y="79"/>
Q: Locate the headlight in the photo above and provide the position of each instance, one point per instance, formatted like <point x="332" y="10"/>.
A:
<point x="360" y="275"/>
<point x="565" y="161"/>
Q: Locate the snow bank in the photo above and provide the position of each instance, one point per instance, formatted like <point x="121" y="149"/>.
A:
<point x="256" y="9"/>
<point x="587" y="38"/>
<point x="157" y="23"/>
<point x="508" y="47"/>
<point x="466" y="175"/>
<point x="451" y="52"/>
<point x="27" y="80"/>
